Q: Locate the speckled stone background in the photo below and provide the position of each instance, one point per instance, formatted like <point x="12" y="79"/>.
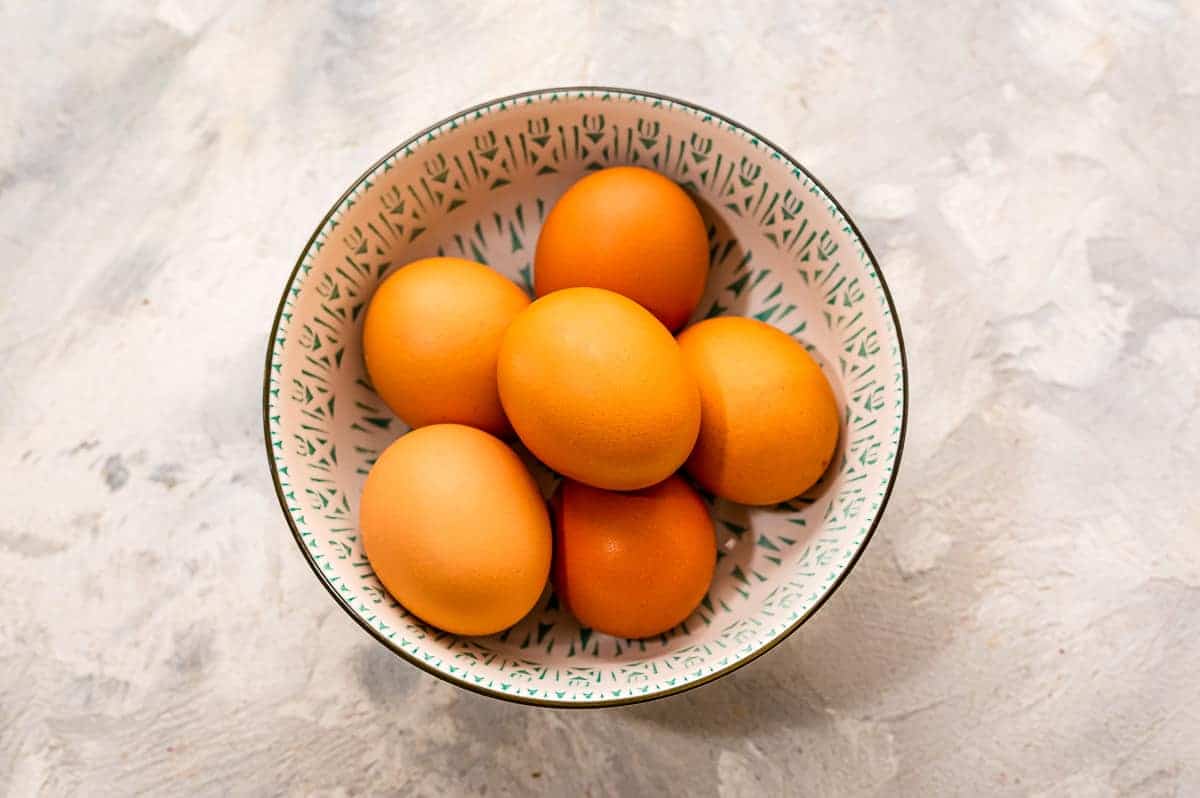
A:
<point x="1026" y="620"/>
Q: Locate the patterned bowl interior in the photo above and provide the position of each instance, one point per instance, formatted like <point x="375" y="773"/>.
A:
<point x="478" y="186"/>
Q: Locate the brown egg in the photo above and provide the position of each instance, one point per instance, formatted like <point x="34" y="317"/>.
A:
<point x="456" y="529"/>
<point x="769" y="419"/>
<point x="597" y="389"/>
<point x="430" y="340"/>
<point x="628" y="230"/>
<point x="632" y="564"/>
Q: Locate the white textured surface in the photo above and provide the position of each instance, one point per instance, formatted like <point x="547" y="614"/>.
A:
<point x="1027" y="619"/>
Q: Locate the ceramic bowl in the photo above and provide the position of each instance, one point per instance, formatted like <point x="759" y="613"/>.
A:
<point x="478" y="185"/>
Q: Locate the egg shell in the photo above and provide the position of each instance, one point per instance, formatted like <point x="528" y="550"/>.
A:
<point x="628" y="230"/>
<point x="632" y="564"/>
<point x="430" y="340"/>
<point x="456" y="529"/>
<point x="769" y="418"/>
<point x="597" y="389"/>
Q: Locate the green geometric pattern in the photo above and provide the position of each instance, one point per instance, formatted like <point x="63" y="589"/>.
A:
<point x="479" y="187"/>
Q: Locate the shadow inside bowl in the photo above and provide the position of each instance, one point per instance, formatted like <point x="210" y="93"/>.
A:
<point x="730" y="270"/>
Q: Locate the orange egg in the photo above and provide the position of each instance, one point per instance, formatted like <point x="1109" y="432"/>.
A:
<point x="632" y="564"/>
<point x="430" y="340"/>
<point x="628" y="230"/>
<point x="769" y="420"/>
<point x="597" y="389"/>
<point x="456" y="529"/>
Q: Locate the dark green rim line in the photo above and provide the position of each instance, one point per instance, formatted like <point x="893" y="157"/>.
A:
<point x="768" y="646"/>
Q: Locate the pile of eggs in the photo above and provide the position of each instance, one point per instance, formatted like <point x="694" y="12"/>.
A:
<point x="593" y="381"/>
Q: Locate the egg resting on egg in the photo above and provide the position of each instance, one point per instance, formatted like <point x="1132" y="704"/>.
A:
<point x="597" y="389"/>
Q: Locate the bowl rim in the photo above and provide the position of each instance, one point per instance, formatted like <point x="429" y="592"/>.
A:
<point x="624" y="700"/>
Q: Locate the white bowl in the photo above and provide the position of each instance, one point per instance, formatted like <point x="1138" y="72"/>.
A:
<point x="478" y="185"/>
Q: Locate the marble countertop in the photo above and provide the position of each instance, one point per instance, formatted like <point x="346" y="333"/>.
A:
<point x="1025" y="622"/>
